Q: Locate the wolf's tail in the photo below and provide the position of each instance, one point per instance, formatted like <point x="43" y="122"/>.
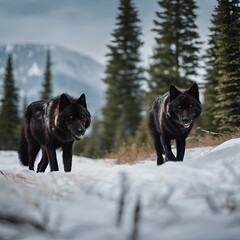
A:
<point x="23" y="149"/>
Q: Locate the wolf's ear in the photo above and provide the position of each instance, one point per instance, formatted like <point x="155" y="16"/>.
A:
<point x="63" y="102"/>
<point x="174" y="92"/>
<point x="82" y="100"/>
<point x="194" y="91"/>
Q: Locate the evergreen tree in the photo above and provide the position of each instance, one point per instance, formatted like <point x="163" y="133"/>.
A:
<point x="25" y="104"/>
<point x="210" y="94"/>
<point x="92" y="142"/>
<point x="9" y="119"/>
<point x="142" y="137"/>
<point x="212" y="76"/>
<point x="123" y="76"/>
<point x="47" y="84"/>
<point x="175" y="56"/>
<point x="226" y="36"/>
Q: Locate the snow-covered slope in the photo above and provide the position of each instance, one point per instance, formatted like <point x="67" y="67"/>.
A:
<point x="192" y="200"/>
<point x="72" y="72"/>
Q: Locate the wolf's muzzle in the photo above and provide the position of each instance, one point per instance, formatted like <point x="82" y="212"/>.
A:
<point x="81" y="131"/>
<point x="186" y="121"/>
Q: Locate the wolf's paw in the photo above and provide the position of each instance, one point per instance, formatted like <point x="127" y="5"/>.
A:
<point x="173" y="158"/>
<point x="159" y="161"/>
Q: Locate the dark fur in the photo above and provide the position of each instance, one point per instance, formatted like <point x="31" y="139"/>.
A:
<point x="172" y="117"/>
<point x="50" y="125"/>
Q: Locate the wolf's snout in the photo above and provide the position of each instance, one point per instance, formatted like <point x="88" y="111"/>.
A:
<point x="186" y="120"/>
<point x="81" y="131"/>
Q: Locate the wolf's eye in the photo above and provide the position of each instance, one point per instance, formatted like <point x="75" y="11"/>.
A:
<point x="82" y="117"/>
<point x="179" y="107"/>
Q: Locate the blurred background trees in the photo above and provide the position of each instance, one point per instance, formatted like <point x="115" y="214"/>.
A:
<point x="10" y="112"/>
<point x="123" y="78"/>
<point x="46" y="92"/>
<point x="222" y="99"/>
<point x="131" y="89"/>
<point x="9" y="116"/>
<point x="176" y="51"/>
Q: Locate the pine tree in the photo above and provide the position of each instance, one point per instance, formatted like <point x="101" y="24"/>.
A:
<point x="226" y="36"/>
<point x="175" y="56"/>
<point x="47" y="84"/>
<point x="123" y="76"/>
<point x="211" y="77"/>
<point x="210" y="94"/>
<point x="142" y="137"/>
<point x="9" y="119"/>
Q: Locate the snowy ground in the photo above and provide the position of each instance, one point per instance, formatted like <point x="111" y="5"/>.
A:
<point x="195" y="199"/>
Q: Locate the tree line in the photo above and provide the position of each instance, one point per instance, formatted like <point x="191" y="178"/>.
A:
<point x="131" y="88"/>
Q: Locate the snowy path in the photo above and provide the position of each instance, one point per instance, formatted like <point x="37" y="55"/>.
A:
<point x="195" y="199"/>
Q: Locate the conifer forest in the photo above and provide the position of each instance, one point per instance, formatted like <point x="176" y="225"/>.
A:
<point x="177" y="58"/>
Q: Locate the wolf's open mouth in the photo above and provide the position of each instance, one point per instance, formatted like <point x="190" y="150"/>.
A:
<point x="187" y="125"/>
<point x="186" y="122"/>
<point x="78" y="137"/>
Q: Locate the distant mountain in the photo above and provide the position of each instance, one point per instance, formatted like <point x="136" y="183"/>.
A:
<point x="72" y="72"/>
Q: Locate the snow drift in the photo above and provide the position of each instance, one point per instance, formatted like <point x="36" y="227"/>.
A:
<point x="195" y="199"/>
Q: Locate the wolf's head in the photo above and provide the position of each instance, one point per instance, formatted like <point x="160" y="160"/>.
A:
<point x="184" y="105"/>
<point x="73" y="115"/>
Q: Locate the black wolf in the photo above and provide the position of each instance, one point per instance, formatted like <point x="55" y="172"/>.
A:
<point x="52" y="124"/>
<point x="171" y="117"/>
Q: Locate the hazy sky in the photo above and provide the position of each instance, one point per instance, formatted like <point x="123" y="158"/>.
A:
<point x="82" y="25"/>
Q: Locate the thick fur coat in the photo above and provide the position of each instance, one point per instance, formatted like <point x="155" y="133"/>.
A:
<point x="171" y="118"/>
<point x="52" y="124"/>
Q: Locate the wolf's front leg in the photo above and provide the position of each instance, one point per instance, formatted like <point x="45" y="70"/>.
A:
<point x="67" y="156"/>
<point x="168" y="150"/>
<point x="181" y="143"/>
<point x="51" y="153"/>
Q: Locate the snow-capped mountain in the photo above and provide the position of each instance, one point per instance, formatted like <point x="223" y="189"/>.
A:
<point x="72" y="72"/>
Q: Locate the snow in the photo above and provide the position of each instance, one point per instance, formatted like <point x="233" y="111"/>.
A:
<point x="34" y="70"/>
<point x="198" y="198"/>
<point x="9" y="48"/>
